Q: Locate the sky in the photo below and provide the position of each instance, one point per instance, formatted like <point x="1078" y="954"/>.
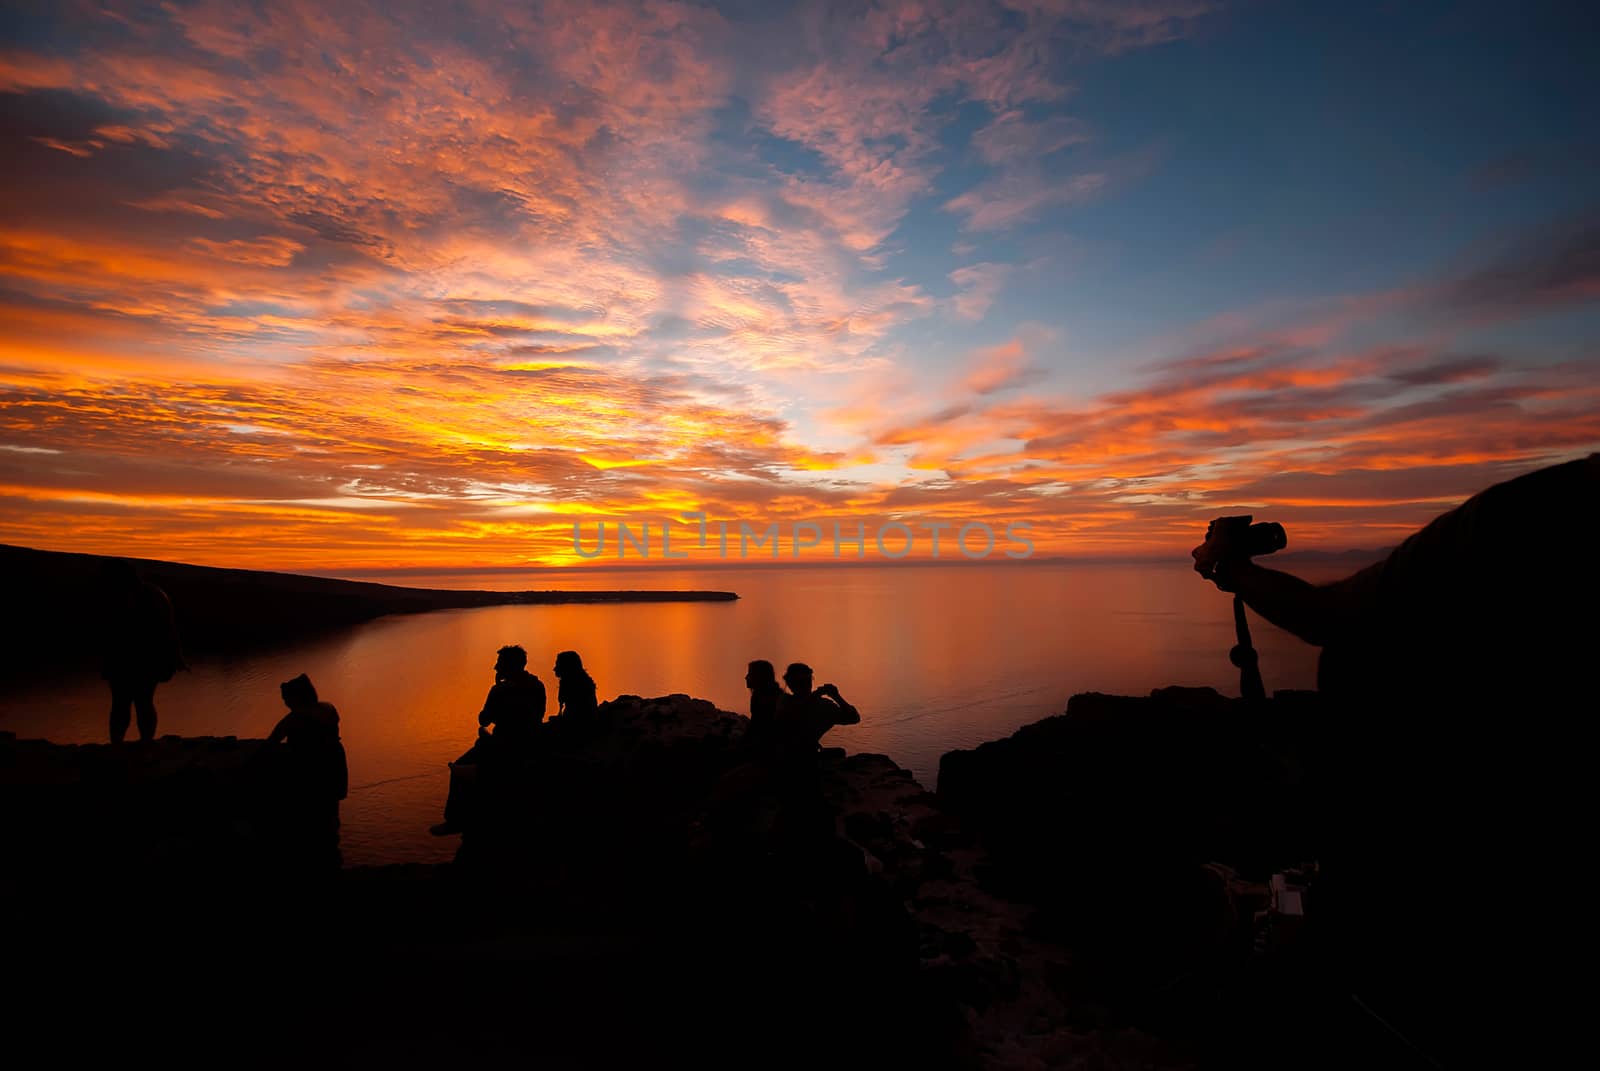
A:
<point x="354" y="287"/>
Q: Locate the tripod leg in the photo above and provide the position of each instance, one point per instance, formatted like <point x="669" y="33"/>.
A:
<point x="1244" y="656"/>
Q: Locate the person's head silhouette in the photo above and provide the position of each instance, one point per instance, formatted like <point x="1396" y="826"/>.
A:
<point x="509" y="660"/>
<point x="760" y="675"/>
<point x="568" y="664"/>
<point x="299" y="692"/>
<point x="798" y="677"/>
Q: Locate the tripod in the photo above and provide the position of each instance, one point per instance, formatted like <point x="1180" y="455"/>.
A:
<point x="1244" y="656"/>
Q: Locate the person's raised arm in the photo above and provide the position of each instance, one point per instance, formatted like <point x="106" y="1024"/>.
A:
<point x="847" y="714"/>
<point x="1317" y="614"/>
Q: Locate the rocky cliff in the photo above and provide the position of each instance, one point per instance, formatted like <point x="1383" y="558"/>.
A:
<point x="601" y="919"/>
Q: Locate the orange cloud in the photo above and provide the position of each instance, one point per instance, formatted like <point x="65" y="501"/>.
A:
<point x="334" y="286"/>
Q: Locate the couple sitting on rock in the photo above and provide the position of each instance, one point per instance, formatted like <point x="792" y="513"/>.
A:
<point x="780" y="756"/>
<point x="787" y="727"/>
<point x="515" y="708"/>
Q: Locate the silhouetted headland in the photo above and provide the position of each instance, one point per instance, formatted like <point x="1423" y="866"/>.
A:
<point x="233" y="610"/>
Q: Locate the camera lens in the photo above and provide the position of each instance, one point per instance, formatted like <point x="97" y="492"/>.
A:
<point x="1266" y="538"/>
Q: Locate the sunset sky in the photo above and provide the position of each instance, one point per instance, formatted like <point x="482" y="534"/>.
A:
<point x="338" y="286"/>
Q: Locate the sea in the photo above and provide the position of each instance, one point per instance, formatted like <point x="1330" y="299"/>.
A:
<point x="935" y="656"/>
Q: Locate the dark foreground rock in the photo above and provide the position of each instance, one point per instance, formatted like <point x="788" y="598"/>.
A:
<point x="1166" y="845"/>
<point x="885" y="937"/>
<point x="596" y="921"/>
<point x="1183" y="775"/>
<point x="203" y="808"/>
<point x="1051" y="907"/>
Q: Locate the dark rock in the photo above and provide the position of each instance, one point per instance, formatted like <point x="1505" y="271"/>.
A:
<point x="940" y="830"/>
<point x="1127" y="785"/>
<point x="868" y="829"/>
<point x="959" y="945"/>
<point x="935" y="866"/>
<point x="587" y="876"/>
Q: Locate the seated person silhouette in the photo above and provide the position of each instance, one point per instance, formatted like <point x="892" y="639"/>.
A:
<point x="765" y="693"/>
<point x="773" y="758"/>
<point x="575" y="695"/>
<point x="310" y="733"/>
<point x="1448" y="668"/>
<point x="515" y="707"/>
<point x="805" y="715"/>
<point x="758" y="749"/>
<point x="139" y="645"/>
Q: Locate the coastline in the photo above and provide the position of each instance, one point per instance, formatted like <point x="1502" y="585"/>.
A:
<point x="233" y="611"/>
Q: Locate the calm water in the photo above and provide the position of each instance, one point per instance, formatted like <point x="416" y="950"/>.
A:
<point x="935" y="657"/>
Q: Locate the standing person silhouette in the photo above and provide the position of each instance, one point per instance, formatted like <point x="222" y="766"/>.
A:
<point x="139" y="645"/>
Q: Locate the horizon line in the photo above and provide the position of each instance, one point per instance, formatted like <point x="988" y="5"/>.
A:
<point x="376" y="573"/>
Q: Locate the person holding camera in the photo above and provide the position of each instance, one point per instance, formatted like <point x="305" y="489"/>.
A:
<point x="804" y="716"/>
<point x="1452" y="611"/>
<point x="1449" y="670"/>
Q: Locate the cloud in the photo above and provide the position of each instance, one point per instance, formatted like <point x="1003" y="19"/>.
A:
<point x="1449" y="370"/>
<point x="1557" y="268"/>
<point x="1119" y="25"/>
<point x="977" y="286"/>
<point x="1000" y="368"/>
<point x="1012" y="137"/>
<point x="273" y="251"/>
<point x="1020" y="196"/>
<point x="359" y="284"/>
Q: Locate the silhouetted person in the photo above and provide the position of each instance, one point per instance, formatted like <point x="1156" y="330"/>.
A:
<point x="310" y="732"/>
<point x="1453" y="669"/>
<point x="515" y="707"/>
<point x="138" y="644"/>
<point x="575" y="695"/>
<point x="760" y="738"/>
<point x="804" y="715"/>
<point x="759" y="749"/>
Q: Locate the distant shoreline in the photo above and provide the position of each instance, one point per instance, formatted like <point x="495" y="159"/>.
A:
<point x="236" y="610"/>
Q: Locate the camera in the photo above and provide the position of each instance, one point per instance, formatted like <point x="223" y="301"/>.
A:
<point x="1246" y="539"/>
<point x="1230" y="539"/>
